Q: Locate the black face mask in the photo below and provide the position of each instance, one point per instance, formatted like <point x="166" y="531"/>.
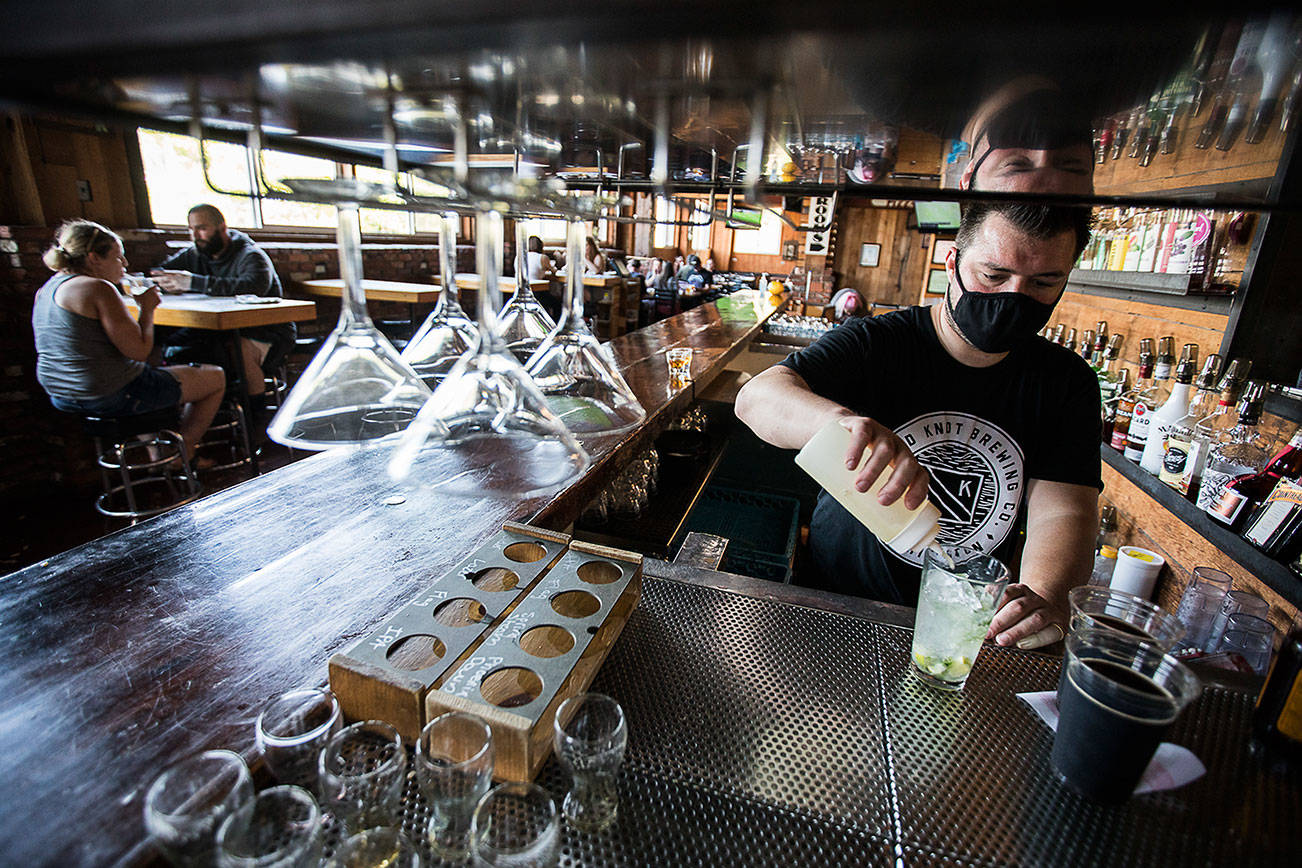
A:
<point x="996" y="322"/>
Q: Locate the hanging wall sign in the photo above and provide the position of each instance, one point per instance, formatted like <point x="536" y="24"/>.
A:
<point x="820" y="214"/>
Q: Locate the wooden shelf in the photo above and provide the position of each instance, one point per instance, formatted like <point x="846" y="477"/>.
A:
<point x="1271" y="573"/>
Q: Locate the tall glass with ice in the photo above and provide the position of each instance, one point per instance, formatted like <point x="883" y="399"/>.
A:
<point x="956" y="603"/>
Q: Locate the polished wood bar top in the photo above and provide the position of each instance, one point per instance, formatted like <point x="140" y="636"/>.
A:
<point x="222" y="313"/>
<point x="122" y="656"/>
<point x="376" y="290"/>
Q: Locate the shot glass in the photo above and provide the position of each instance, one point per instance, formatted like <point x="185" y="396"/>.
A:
<point x="454" y="768"/>
<point x="590" y="735"/>
<point x="187" y="804"/>
<point x="380" y="846"/>
<point x="1235" y="601"/>
<point x="1120" y="695"/>
<point x="282" y="831"/>
<point x="1250" y="637"/>
<point x="291" y="731"/>
<point x="362" y="769"/>
<point x="1122" y="612"/>
<point x="1199" y="604"/>
<point x="516" y="825"/>
<point x="680" y="366"/>
<point x="956" y="604"/>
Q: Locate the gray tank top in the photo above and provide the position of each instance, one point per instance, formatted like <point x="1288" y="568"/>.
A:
<point x="75" y="359"/>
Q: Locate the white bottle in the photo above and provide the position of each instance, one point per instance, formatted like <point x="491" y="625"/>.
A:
<point x="898" y="527"/>
<point x="1175" y="408"/>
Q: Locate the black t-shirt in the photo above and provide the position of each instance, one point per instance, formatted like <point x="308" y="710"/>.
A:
<point x="980" y="432"/>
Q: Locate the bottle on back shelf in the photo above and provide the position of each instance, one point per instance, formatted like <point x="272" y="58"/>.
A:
<point x="1136" y="405"/>
<point x="1182" y="462"/>
<point x="1164" y="366"/>
<point x="1070" y="342"/>
<point x="1274" y="59"/>
<point x="1086" y="348"/>
<point x="1120" y="385"/>
<point x="1172" y="410"/>
<point x="1057" y="334"/>
<point x="1100" y="344"/>
<point x="1275" y="526"/>
<point x="1246" y="492"/>
<point x="1233" y="459"/>
<point x="1105" y="547"/>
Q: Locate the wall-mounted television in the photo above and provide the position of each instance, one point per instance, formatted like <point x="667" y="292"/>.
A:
<point x="937" y="216"/>
<point x="744" y="217"/>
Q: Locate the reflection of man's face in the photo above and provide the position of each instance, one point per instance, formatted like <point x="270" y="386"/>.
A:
<point x="209" y="236"/>
<point x="1021" y="170"/>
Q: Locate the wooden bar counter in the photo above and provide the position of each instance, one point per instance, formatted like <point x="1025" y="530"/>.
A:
<point x="129" y="653"/>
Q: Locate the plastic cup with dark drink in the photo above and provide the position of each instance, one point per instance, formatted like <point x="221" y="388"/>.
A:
<point x="1119" y="697"/>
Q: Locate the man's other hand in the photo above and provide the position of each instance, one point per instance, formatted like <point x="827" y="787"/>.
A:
<point x="1026" y="619"/>
<point x="171" y="281"/>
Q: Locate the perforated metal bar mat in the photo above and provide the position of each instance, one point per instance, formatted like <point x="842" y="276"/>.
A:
<point x="760" y="733"/>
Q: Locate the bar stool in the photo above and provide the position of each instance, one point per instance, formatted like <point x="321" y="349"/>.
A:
<point x="228" y="436"/>
<point x="148" y="483"/>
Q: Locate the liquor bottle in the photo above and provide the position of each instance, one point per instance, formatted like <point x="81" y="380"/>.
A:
<point x="1070" y="342"/>
<point x="1165" y="363"/>
<point x="1100" y="344"/>
<point x="1057" y="334"/>
<point x="1182" y="463"/>
<point x="1120" y="385"/>
<point x="1204" y="51"/>
<point x="1165" y="240"/>
<point x="1217" y="72"/>
<point x="1086" y="348"/>
<point x="1109" y="366"/>
<point x="1242" y="66"/>
<point x="1142" y="131"/>
<point x="1103" y="132"/>
<point x="1142" y="400"/>
<point x="1182" y="242"/>
<point x="1126" y="404"/>
<point x="1277" y="717"/>
<point x="1134" y="242"/>
<point x="1274" y="58"/>
<point x="1120" y="242"/>
<point x="1291" y="101"/>
<point x="1234" y="457"/>
<point x="1125" y="123"/>
<point x="1200" y="250"/>
<point x="1245" y="492"/>
<point x="1105" y="547"/>
<point x="1172" y="410"/>
<point x="1275" y="526"/>
<point x="1160" y="112"/>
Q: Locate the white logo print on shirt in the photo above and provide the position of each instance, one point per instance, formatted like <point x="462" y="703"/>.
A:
<point x="976" y="477"/>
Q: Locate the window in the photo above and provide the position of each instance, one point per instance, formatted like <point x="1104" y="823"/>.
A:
<point x="551" y="231"/>
<point x="664" y="234"/>
<point x="767" y="240"/>
<point x="701" y="234"/>
<point x="174" y="178"/>
<point x="175" y="182"/>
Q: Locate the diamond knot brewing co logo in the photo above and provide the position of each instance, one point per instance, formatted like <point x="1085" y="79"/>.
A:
<point x="976" y="477"/>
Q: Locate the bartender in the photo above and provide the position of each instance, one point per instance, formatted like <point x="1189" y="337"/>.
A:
<point x="964" y="401"/>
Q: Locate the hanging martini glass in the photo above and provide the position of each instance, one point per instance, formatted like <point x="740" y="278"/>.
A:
<point x="487" y="428"/>
<point x="580" y="376"/>
<point x="447" y="333"/>
<point x="523" y="322"/>
<point x="357" y="390"/>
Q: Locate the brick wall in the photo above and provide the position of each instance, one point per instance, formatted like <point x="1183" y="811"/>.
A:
<point x="45" y="453"/>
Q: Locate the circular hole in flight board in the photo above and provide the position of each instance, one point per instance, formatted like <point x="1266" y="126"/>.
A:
<point x="460" y="612"/>
<point x="511" y="687"/>
<point x="421" y="651"/>
<point x="599" y="572"/>
<point x="495" y="579"/>
<point x="525" y="552"/>
<point x="547" y="641"/>
<point x="576" y="604"/>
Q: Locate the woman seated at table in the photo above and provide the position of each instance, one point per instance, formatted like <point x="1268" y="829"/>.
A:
<point x="594" y="261"/>
<point x="91" y="353"/>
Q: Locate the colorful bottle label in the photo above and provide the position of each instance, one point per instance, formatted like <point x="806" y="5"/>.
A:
<point x="1137" y="434"/>
<point x="1216" y="476"/>
<point x="1174" y="461"/>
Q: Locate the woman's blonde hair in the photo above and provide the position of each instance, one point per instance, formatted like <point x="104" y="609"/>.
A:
<point x="74" y="240"/>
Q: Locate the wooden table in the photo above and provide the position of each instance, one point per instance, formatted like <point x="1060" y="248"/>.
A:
<point x="376" y="290"/>
<point x="224" y="314"/>
<point x="468" y="280"/>
<point x="124" y="655"/>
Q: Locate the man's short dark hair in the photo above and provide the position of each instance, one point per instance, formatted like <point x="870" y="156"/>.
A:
<point x="1041" y="222"/>
<point x="208" y="211"/>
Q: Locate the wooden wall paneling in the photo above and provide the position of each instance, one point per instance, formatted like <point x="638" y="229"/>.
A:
<point x="1144" y="522"/>
<point x="1136" y="319"/>
<point x="20" y="197"/>
<point x="896" y="277"/>
<point x="918" y="152"/>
